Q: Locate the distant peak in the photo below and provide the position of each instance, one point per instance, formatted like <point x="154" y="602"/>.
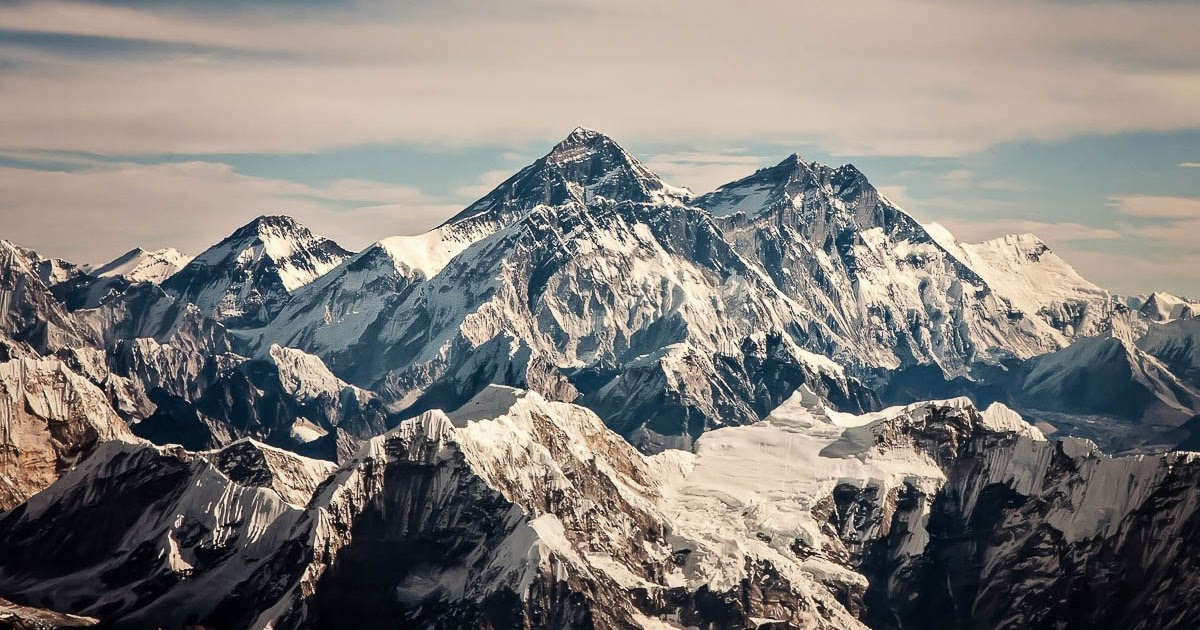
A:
<point x="582" y="132"/>
<point x="849" y="169"/>
<point x="274" y="220"/>
<point x="583" y="141"/>
<point x="1027" y="239"/>
<point x="583" y="167"/>
<point x="793" y="160"/>
<point x="791" y="168"/>
<point x="268" y="223"/>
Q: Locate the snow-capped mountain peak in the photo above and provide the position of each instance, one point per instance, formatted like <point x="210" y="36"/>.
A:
<point x="248" y="276"/>
<point x="784" y="184"/>
<point x="1164" y="307"/>
<point x="1035" y="281"/>
<point x="585" y="167"/>
<point x="139" y="265"/>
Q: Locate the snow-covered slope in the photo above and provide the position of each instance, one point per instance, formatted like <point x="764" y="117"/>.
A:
<point x="581" y="266"/>
<point x="1177" y="345"/>
<point x="1164" y="307"/>
<point x="245" y="279"/>
<point x="515" y="511"/>
<point x="139" y="265"/>
<point x="883" y="290"/>
<point x="1038" y="283"/>
<point x="32" y="321"/>
<point x="587" y="166"/>
<point x="1111" y="380"/>
<point x="172" y="537"/>
<point x="54" y="271"/>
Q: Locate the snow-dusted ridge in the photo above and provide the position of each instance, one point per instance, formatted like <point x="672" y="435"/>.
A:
<point x="139" y="265"/>
<point x="492" y="390"/>
<point x="246" y="278"/>
<point x="537" y="504"/>
<point x="573" y="274"/>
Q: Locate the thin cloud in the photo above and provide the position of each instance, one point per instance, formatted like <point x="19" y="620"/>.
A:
<point x="1137" y="273"/>
<point x="1066" y="232"/>
<point x="721" y="73"/>
<point x="704" y="171"/>
<point x="1157" y="206"/>
<point x="483" y="185"/>
<point x="1189" y="164"/>
<point x="966" y="179"/>
<point x="93" y="214"/>
<point x="1178" y="234"/>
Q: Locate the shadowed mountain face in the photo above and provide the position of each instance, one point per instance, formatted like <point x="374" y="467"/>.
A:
<point x="245" y="279"/>
<point x="594" y="400"/>
<point x="520" y="512"/>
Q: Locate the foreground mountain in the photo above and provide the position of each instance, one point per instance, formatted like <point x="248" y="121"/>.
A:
<point x="519" y="512"/>
<point x="50" y="419"/>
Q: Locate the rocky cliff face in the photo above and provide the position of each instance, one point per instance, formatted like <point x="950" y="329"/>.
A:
<point x="1033" y="533"/>
<point x="518" y="512"/>
<point x="593" y="400"/>
<point x="50" y="419"/>
<point x="32" y="321"/>
<point x="172" y="538"/>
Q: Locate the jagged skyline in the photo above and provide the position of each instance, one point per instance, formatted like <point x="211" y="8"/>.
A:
<point x="366" y="120"/>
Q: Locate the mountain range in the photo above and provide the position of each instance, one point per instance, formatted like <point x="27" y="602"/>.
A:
<point x="593" y="399"/>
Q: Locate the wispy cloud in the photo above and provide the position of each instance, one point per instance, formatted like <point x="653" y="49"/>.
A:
<point x="1138" y="272"/>
<point x="722" y="73"/>
<point x="95" y="213"/>
<point x="705" y="171"/>
<point x="1052" y="233"/>
<point x="966" y="179"/>
<point x="1189" y="164"/>
<point x="1162" y="221"/>
<point x="1157" y="206"/>
<point x="482" y="186"/>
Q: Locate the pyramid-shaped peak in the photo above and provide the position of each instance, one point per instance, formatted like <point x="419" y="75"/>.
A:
<point x="585" y="167"/>
<point x="269" y="224"/>
<point x="244" y="280"/>
<point x="280" y="235"/>
<point x="582" y="133"/>
<point x="583" y="143"/>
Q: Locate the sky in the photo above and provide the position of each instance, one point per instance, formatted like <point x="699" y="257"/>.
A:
<point x="171" y="123"/>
